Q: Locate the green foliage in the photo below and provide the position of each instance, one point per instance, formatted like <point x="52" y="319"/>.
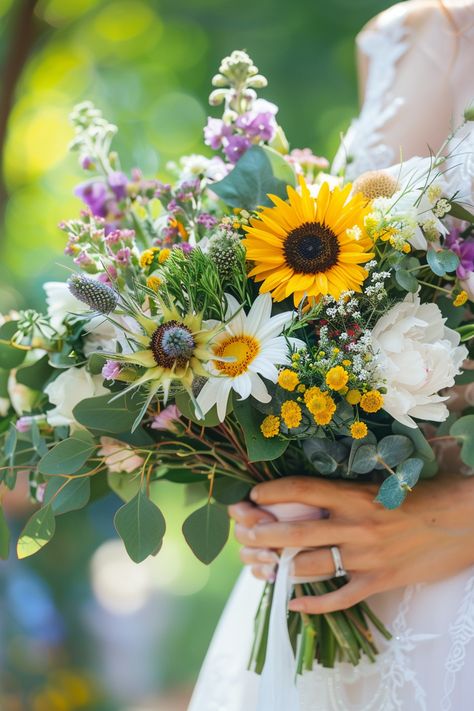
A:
<point x="394" y="489"/>
<point x="66" y="495"/>
<point x="4" y="536"/>
<point x="141" y="526"/>
<point x="38" y="531"/>
<point x="36" y="375"/>
<point x="406" y="280"/>
<point x="259" y="448"/>
<point x="442" y="262"/>
<point x="105" y="415"/>
<point x="229" y="491"/>
<point x="206" y="531"/>
<point x="125" y="486"/>
<point x="461" y="213"/>
<point x="259" y="172"/>
<point x="69" y="455"/>
<point x="422" y="448"/>
<point x="324" y="454"/>
<point x="463" y="430"/>
<point x="394" y="449"/>
<point x="10" y="356"/>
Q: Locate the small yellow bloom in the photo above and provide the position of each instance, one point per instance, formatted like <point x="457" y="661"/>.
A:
<point x="301" y="388"/>
<point x="346" y="362"/>
<point x="154" y="282"/>
<point x="295" y="356"/>
<point x="359" y="430"/>
<point x="460" y="299"/>
<point x="336" y="350"/>
<point x="337" y="377"/>
<point x="288" y="379"/>
<point x="147" y="257"/>
<point x="270" y="426"/>
<point x="163" y="255"/>
<point x="406" y="248"/>
<point x="324" y="417"/>
<point x="371" y="401"/>
<point x="353" y="397"/>
<point x="344" y="390"/>
<point x="291" y="413"/>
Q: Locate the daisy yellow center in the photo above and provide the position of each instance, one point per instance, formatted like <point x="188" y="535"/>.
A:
<point x="311" y="248"/>
<point x="243" y="349"/>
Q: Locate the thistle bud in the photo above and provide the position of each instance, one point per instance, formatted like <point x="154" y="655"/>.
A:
<point x="98" y="296"/>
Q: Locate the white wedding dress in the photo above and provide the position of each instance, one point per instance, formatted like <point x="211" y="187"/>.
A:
<point x="429" y="663"/>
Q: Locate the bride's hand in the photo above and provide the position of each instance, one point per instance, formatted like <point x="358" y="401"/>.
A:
<point x="431" y="536"/>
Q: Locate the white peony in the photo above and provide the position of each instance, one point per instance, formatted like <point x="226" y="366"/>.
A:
<point x="67" y="390"/>
<point x="418" y="356"/>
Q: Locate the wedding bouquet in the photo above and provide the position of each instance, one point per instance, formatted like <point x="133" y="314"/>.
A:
<point x="259" y="317"/>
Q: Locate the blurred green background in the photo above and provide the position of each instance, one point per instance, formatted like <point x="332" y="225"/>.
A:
<point x="80" y="627"/>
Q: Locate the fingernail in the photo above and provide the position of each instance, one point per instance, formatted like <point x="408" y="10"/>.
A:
<point x="294" y="606"/>
<point x="267" y="556"/>
<point x="254" y="494"/>
<point x="251" y="535"/>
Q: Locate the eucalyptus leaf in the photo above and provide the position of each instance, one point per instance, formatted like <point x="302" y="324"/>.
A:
<point x="442" y="261"/>
<point x="124" y="485"/>
<point x="206" y="531"/>
<point x="141" y="526"/>
<point x="69" y="455"/>
<point x="365" y="459"/>
<point x="66" y="495"/>
<point x="99" y="413"/>
<point x="394" y="489"/>
<point x="406" y="280"/>
<point x="463" y="430"/>
<point x="229" y="491"/>
<point x="10" y="356"/>
<point x="394" y="449"/>
<point x="35" y="376"/>
<point x="38" y="531"/>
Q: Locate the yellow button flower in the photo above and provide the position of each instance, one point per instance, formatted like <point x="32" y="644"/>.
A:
<point x="460" y="299"/>
<point x="337" y="377"/>
<point x="291" y="413"/>
<point x="288" y="379"/>
<point x="359" y="430"/>
<point x="270" y="426"/>
<point x="353" y="397"/>
<point x="371" y="401"/>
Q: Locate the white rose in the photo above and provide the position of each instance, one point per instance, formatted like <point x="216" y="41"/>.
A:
<point x="69" y="388"/>
<point x="21" y="397"/>
<point x="418" y="356"/>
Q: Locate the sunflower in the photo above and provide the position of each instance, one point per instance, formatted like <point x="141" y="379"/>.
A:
<point x="310" y="246"/>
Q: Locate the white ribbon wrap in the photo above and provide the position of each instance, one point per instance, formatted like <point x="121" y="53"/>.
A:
<point x="277" y="691"/>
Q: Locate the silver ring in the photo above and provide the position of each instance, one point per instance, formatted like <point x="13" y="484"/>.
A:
<point x="339" y="570"/>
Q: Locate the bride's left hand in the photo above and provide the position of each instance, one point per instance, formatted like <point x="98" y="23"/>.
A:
<point x="431" y="536"/>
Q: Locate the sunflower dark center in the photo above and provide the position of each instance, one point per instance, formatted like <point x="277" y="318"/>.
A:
<point x="172" y="345"/>
<point x="311" y="248"/>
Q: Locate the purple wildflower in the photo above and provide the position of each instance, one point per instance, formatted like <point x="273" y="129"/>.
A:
<point x="184" y="247"/>
<point x="215" y="132"/>
<point x="94" y="194"/>
<point x="208" y="221"/>
<point x="111" y="370"/>
<point x="123" y="255"/>
<point x="261" y="125"/>
<point x="235" y="147"/>
<point x="23" y="424"/>
<point x="464" y="248"/>
<point x="118" y="183"/>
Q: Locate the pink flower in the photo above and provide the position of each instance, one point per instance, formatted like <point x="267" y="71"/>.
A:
<point x="166" y="419"/>
<point x="119" y="457"/>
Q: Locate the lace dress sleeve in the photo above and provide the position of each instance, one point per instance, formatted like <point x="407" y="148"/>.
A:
<point x="362" y="147"/>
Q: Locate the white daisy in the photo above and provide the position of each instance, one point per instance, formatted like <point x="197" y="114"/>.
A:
<point x="255" y="345"/>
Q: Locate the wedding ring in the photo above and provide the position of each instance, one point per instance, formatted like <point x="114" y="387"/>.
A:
<point x="339" y="570"/>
